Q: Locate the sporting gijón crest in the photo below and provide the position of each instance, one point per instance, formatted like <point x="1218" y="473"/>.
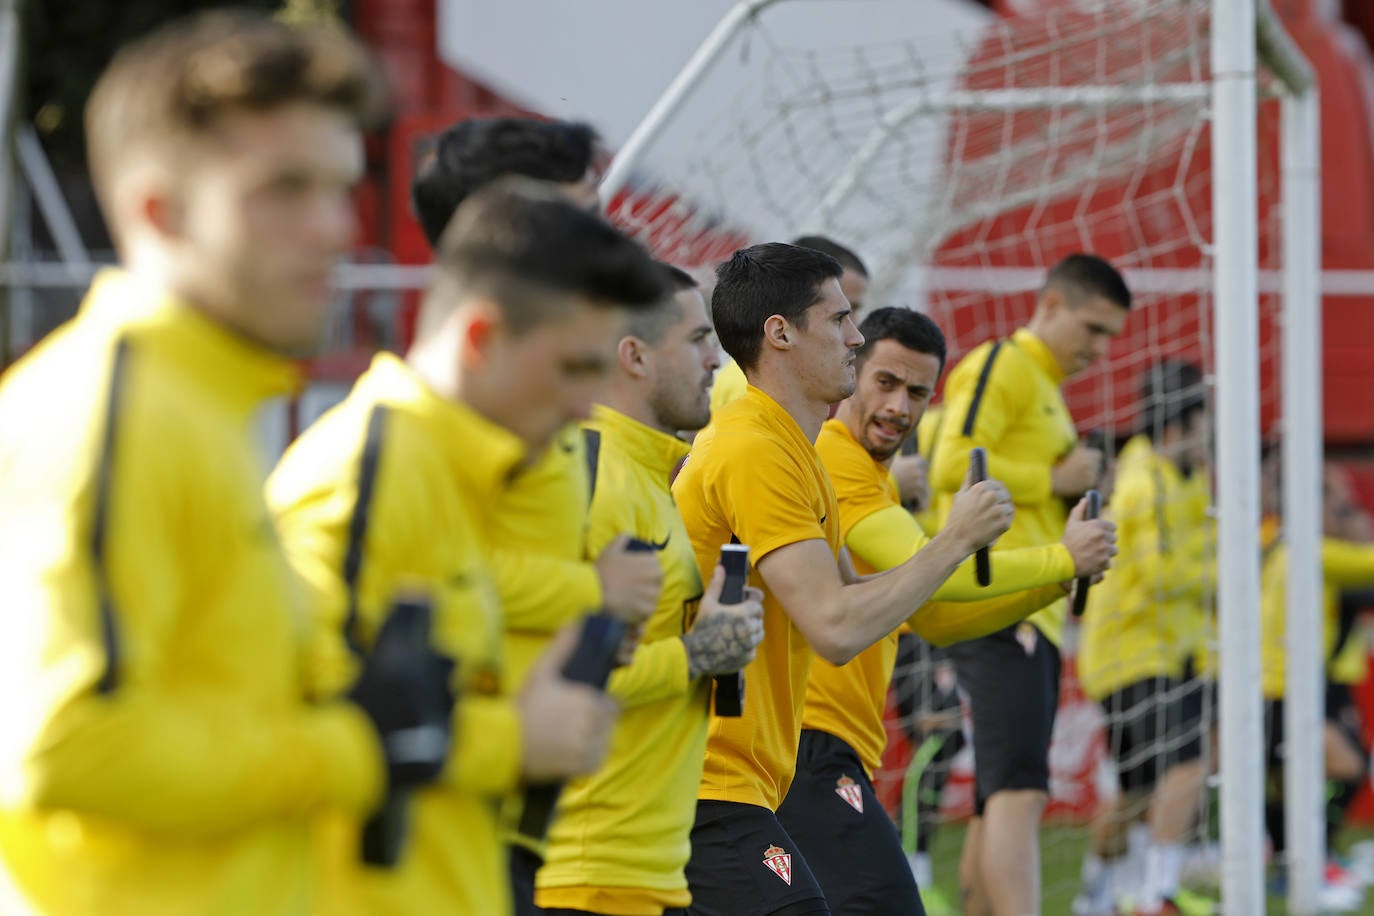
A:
<point x="779" y="862"/>
<point x="849" y="790"/>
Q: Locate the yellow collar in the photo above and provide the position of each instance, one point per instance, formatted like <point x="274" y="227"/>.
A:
<point x="1040" y="354"/>
<point x="244" y="372"/>
<point x="482" y="454"/>
<point x="657" y="451"/>
<point x="762" y="399"/>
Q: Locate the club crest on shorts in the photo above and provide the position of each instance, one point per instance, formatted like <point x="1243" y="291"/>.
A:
<point x="849" y="790"/>
<point x="1027" y="635"/>
<point x="779" y="862"/>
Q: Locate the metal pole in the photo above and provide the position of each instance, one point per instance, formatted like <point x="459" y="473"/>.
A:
<point x="678" y="91"/>
<point x="1235" y="300"/>
<point x="1304" y="766"/>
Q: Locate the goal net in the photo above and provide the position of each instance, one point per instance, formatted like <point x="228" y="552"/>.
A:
<point x="961" y="156"/>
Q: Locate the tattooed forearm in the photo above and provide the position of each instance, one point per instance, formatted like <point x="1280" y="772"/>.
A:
<point x="721" y="643"/>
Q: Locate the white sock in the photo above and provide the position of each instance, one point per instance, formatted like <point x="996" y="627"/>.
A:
<point x="1163" y="864"/>
<point x="1096" y="881"/>
<point x="921" y="869"/>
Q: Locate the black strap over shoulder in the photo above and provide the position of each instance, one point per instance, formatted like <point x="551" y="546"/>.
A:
<point x="971" y="417"/>
<point x="109" y="633"/>
<point x="357" y="526"/>
<point x="591" y="438"/>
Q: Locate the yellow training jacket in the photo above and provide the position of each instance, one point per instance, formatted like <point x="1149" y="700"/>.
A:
<point x="1004" y="396"/>
<point x="436" y="469"/>
<point x="1345" y="565"/>
<point x="157" y="755"/>
<point x="848" y="701"/>
<point x="621" y="839"/>
<point x="1150" y="614"/>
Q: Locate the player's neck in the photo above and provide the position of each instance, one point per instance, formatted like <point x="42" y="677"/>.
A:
<point x="631" y="403"/>
<point x="786" y="389"/>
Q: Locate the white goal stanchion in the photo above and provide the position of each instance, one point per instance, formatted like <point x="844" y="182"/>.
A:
<point x="1176" y="137"/>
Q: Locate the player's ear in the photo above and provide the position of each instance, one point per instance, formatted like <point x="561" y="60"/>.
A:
<point x="777" y="332"/>
<point x="630" y="353"/>
<point x="1052" y="300"/>
<point x="480" y="324"/>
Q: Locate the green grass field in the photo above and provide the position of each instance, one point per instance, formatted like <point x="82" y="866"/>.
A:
<point x="1062" y="853"/>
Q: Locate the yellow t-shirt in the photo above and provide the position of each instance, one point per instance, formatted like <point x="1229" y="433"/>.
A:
<point x="621" y="840"/>
<point x="1019" y="417"/>
<point x="1151" y="611"/>
<point x="729" y="385"/>
<point x="1345" y="565"/>
<point x="848" y="701"/>
<point x="753" y="476"/>
<point x="439" y="470"/>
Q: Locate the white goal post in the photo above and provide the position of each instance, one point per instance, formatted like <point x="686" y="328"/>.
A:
<point x="822" y="138"/>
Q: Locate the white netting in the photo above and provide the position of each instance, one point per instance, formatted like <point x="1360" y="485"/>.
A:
<point x="961" y="165"/>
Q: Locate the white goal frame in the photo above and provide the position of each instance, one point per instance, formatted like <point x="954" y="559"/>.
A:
<point x="1243" y="33"/>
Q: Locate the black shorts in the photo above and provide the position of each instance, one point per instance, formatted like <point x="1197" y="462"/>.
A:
<point x="1152" y="725"/>
<point x="524" y="865"/>
<point x="839" y="824"/>
<point x="566" y="912"/>
<point x="1011" y="680"/>
<point x="744" y="864"/>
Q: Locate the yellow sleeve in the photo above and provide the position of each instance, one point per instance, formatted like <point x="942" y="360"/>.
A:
<point x="541" y="593"/>
<point x="488" y="745"/>
<point x="767" y="500"/>
<point x="192" y="763"/>
<point x="1003" y="398"/>
<point x="891" y="537"/>
<point x="942" y="623"/>
<point x="538" y="549"/>
<point x="657" y="671"/>
<point x="1346" y="564"/>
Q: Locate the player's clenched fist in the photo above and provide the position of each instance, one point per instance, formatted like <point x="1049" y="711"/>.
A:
<point x="630" y="580"/>
<point x="723" y="637"/>
<point x="1091" y="542"/>
<point x="981" y="513"/>
<point x="913" y="480"/>
<point x="565" y="727"/>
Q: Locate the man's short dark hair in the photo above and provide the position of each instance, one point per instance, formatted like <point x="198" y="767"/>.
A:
<point x="761" y="281"/>
<point x="169" y="88"/>
<point x="476" y="152"/>
<point x="908" y="327"/>
<point x="1081" y="276"/>
<point x="1172" y="392"/>
<point x="525" y="246"/>
<point x="649" y="324"/>
<point x="847" y="258"/>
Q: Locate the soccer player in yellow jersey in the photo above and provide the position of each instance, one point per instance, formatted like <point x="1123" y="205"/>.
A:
<point x="160" y="753"/>
<point x="831" y="810"/>
<point x="754" y="477"/>
<point x="621" y="839"/>
<point x="1005" y="397"/>
<point x="1347" y="564"/>
<point x="1144" y="626"/>
<point x="397" y="488"/>
<point x="543" y="571"/>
